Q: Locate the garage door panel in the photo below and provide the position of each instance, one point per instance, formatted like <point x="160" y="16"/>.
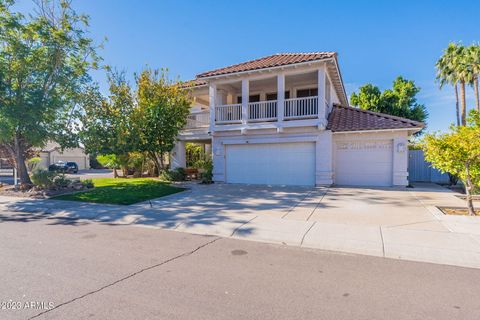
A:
<point x="367" y="163"/>
<point x="276" y="163"/>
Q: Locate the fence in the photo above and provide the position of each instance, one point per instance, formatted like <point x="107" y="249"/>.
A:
<point x="420" y="170"/>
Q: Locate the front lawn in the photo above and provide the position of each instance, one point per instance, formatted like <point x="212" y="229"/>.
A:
<point x="123" y="191"/>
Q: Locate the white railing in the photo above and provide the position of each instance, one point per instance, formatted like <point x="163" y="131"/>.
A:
<point x="298" y="108"/>
<point x="262" y="111"/>
<point x="198" y="120"/>
<point x="228" y="113"/>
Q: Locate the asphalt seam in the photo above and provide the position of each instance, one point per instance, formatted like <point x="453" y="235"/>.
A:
<point x="185" y="254"/>
<point x="242" y="225"/>
<point x="303" y="238"/>
<point x="383" y="242"/>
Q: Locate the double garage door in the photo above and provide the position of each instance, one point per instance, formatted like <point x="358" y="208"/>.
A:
<point x="271" y="163"/>
<point x="363" y="163"/>
<point x="360" y="163"/>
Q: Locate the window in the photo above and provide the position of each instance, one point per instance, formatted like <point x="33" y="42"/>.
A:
<point x="273" y="96"/>
<point x="302" y="93"/>
<point x="252" y="98"/>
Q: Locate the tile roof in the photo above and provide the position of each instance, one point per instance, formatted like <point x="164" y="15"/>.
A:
<point x="193" y="83"/>
<point x="276" y="60"/>
<point x="354" y="119"/>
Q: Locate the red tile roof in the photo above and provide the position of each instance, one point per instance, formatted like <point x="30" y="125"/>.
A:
<point x="276" y="60"/>
<point x="355" y="119"/>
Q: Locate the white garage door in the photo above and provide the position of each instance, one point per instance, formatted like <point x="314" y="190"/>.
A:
<point x="364" y="163"/>
<point x="79" y="160"/>
<point x="272" y="163"/>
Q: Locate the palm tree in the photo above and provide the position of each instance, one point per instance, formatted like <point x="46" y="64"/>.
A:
<point x="463" y="74"/>
<point x="473" y="56"/>
<point x="446" y="72"/>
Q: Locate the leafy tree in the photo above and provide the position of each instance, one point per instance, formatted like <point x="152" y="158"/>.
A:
<point x="107" y="125"/>
<point x="162" y="109"/>
<point x="458" y="153"/>
<point x="109" y="161"/>
<point x="44" y="64"/>
<point x="399" y="101"/>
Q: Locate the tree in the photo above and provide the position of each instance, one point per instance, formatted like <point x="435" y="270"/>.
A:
<point x="162" y="109"/>
<point x="107" y="123"/>
<point x="44" y="64"/>
<point x="473" y="61"/>
<point x="446" y="73"/>
<point x="458" y="153"/>
<point x="399" y="101"/>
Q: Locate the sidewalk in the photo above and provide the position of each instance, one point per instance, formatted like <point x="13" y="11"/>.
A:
<point x="400" y="224"/>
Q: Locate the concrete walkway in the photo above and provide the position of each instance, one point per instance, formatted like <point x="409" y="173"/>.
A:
<point x="393" y="223"/>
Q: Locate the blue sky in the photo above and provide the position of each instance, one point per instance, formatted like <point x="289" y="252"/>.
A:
<point x="376" y="40"/>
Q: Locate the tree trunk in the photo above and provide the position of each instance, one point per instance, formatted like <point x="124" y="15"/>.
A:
<point x="161" y="161"/>
<point x="20" y="163"/>
<point x="115" y="173"/>
<point x="156" y="162"/>
<point x="456" y="104"/>
<point x="464" y="103"/>
<point x="468" y="191"/>
<point x="475" y="87"/>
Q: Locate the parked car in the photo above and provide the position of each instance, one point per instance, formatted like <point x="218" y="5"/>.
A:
<point x="66" y="167"/>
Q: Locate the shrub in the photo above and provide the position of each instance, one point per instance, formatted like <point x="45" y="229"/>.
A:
<point x="207" y="174"/>
<point x="177" y="174"/>
<point x="61" y="181"/>
<point x="88" y="183"/>
<point x="32" y="163"/>
<point x="43" y="178"/>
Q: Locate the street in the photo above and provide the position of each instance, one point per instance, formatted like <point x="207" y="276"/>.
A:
<point x="77" y="269"/>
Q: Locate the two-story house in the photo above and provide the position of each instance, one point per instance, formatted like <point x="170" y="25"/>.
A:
<point x="285" y="120"/>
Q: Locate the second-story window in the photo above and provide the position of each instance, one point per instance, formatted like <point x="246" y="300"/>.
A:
<point x="273" y="96"/>
<point x="252" y="98"/>
<point x="303" y="93"/>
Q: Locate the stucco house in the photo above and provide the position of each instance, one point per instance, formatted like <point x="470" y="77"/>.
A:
<point x="52" y="153"/>
<point x="284" y="119"/>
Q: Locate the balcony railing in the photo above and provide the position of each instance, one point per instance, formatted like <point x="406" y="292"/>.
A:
<point x="228" y="113"/>
<point x="301" y="108"/>
<point x="262" y="111"/>
<point x="198" y="120"/>
<point x="293" y="109"/>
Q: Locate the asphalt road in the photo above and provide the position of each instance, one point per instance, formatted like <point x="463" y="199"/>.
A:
<point x="91" y="271"/>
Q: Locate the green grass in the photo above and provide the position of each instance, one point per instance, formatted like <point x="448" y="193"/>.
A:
<point x="123" y="191"/>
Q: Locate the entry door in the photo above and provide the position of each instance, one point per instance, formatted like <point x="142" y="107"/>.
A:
<point x="272" y="163"/>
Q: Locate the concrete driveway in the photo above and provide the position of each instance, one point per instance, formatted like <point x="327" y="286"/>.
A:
<point x="388" y="222"/>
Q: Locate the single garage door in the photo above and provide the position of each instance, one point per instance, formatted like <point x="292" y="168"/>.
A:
<point x="80" y="161"/>
<point x="272" y="163"/>
<point x="364" y="163"/>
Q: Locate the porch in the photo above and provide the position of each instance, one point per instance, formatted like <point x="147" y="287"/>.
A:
<point x="273" y="98"/>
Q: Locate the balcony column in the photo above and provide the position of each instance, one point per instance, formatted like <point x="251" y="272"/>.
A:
<point x="280" y="96"/>
<point x="322" y="114"/>
<point x="245" y="98"/>
<point x="212" y="95"/>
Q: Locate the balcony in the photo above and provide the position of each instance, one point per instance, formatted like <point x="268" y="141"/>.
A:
<point x="198" y="120"/>
<point x="265" y="111"/>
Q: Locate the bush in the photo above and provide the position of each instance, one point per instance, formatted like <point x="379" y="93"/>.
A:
<point x="88" y="183"/>
<point x="43" y="179"/>
<point x="32" y="163"/>
<point x="61" y="181"/>
<point x="173" y="175"/>
<point x="207" y="174"/>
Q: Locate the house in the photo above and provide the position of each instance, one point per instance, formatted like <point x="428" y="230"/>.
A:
<point x="284" y="119"/>
<point x="52" y="153"/>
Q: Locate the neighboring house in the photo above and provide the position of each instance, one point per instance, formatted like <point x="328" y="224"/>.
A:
<point x="285" y="120"/>
<point x="52" y="153"/>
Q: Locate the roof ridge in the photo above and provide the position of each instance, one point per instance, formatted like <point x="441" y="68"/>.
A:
<point x="238" y="64"/>
<point x="246" y="63"/>
<point x="385" y="115"/>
